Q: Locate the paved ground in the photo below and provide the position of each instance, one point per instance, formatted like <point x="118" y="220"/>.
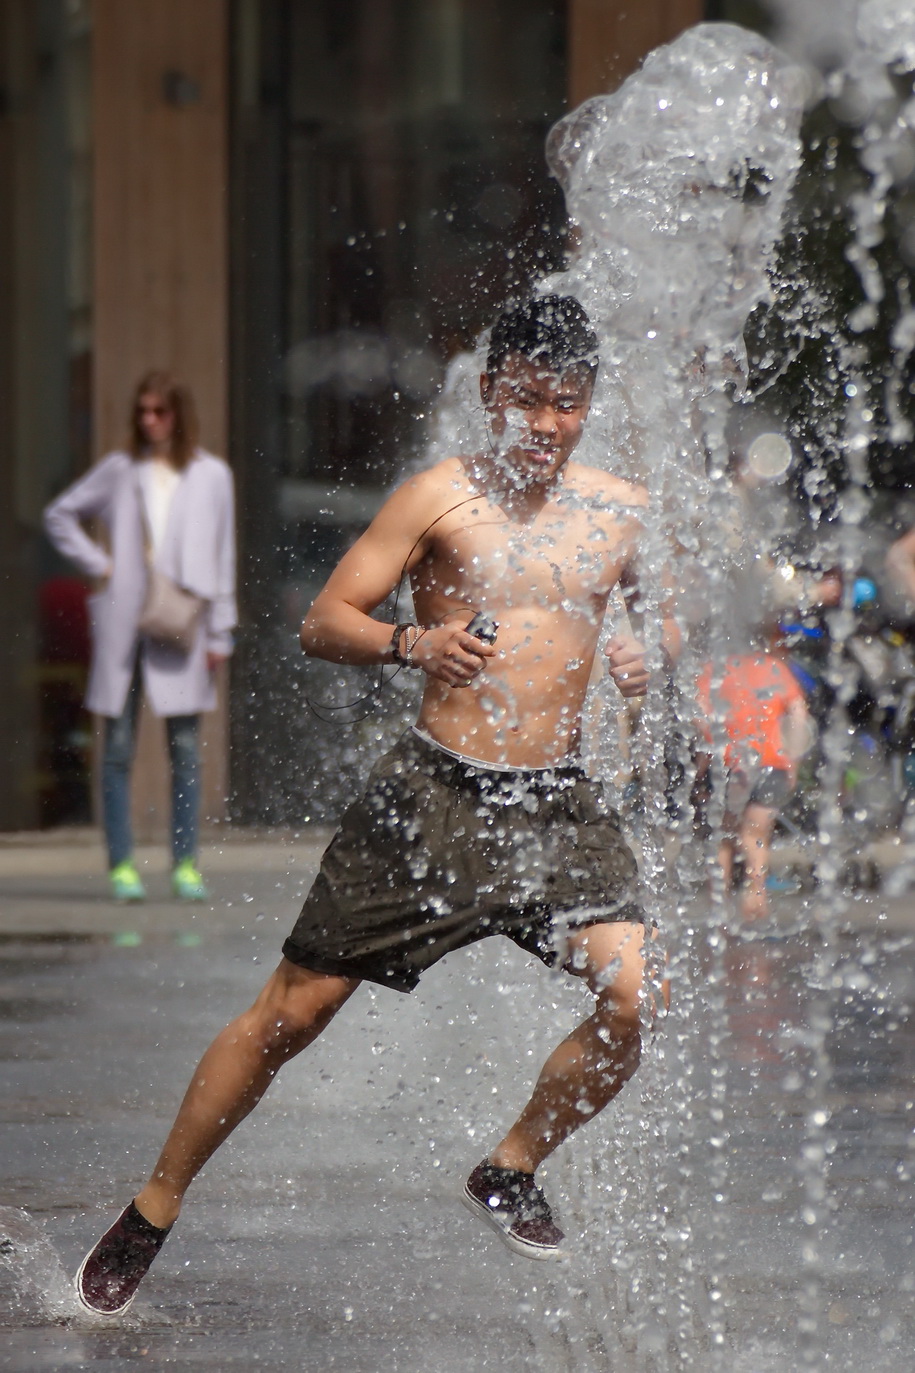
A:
<point x="746" y="1207"/>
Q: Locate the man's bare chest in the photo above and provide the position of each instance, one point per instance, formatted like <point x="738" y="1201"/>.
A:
<point x="571" y="560"/>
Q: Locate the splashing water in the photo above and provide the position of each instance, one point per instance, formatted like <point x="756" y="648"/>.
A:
<point x="886" y="29"/>
<point x="26" y="1250"/>
<point x="44" y="1289"/>
<point x="864" y="89"/>
<point x="678" y="186"/>
<point x="676" y="351"/>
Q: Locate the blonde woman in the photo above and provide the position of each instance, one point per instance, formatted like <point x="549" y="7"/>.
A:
<point x="160" y="501"/>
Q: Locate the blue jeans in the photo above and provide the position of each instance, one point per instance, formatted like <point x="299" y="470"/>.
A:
<point x="117" y="758"/>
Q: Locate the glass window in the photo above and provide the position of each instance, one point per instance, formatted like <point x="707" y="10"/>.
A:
<point x="45" y="401"/>
<point x="389" y="194"/>
<point x="416" y="200"/>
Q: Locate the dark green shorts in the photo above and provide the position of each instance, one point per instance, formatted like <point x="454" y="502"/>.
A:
<point x="439" y="853"/>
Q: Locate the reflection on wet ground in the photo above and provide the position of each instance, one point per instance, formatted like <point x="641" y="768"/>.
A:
<point x="327" y="1234"/>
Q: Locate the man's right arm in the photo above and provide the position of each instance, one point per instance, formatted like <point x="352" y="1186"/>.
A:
<point x="340" y="626"/>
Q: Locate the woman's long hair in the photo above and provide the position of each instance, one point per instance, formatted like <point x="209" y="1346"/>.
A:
<point x="179" y="400"/>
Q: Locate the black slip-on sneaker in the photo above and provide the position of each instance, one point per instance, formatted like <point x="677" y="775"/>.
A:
<point x="111" y="1272"/>
<point x="511" y="1202"/>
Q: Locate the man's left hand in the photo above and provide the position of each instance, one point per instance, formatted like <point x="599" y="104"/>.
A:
<point x="626" y="660"/>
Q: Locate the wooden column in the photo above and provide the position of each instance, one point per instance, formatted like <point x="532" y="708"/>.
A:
<point x="608" y="39"/>
<point x="160" y="255"/>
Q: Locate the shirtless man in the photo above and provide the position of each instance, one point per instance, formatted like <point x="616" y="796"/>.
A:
<point x="480" y="821"/>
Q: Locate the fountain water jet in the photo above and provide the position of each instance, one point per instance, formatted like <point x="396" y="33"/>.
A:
<point x="677" y="186"/>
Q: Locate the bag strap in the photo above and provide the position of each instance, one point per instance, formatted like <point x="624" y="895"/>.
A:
<point x="144" y="516"/>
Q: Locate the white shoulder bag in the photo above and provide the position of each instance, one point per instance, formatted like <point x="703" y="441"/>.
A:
<point x="170" y="614"/>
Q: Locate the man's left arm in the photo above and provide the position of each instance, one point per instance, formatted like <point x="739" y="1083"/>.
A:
<point x="626" y="653"/>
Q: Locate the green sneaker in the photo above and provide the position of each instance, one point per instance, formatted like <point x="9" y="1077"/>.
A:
<point x="125" y="882"/>
<point x="187" y="884"/>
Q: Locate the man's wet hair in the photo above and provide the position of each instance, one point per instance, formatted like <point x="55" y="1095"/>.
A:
<point x="552" y="330"/>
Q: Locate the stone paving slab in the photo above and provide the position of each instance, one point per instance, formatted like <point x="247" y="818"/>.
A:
<point x="327" y="1235"/>
<point x="54" y="884"/>
<point x="60" y="855"/>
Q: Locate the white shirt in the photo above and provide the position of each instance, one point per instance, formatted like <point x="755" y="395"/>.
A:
<point x="158" y="480"/>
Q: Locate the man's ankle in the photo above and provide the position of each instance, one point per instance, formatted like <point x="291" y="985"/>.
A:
<point x="162" y="1212"/>
<point x="518" y="1160"/>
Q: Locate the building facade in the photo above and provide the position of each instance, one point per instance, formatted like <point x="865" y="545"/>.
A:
<point x="304" y="207"/>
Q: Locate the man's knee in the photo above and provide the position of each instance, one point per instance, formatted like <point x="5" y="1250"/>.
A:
<point x="610" y="958"/>
<point x="632" y="1007"/>
<point x="620" y="1019"/>
<point x="295" y="1006"/>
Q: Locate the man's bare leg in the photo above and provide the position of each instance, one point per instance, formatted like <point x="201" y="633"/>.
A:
<point x="234" y="1073"/>
<point x="589" y="1068"/>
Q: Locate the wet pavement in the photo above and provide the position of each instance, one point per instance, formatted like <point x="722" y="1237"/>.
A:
<point x="757" y="1176"/>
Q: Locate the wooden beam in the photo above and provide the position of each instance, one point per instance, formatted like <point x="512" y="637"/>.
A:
<point x="160" y="256"/>
<point x="608" y="39"/>
<point x="160" y="156"/>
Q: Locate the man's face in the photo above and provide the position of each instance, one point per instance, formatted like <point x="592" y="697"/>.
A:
<point x="536" y="416"/>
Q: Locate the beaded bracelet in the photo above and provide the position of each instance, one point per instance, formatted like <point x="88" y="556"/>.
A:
<point x="401" y="659"/>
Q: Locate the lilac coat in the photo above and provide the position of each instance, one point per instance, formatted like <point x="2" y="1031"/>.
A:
<point x="198" y="552"/>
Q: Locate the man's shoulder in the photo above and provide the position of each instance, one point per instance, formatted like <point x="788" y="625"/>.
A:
<point x="439" y="473"/>
<point x="604" y="487"/>
<point x="419" y="501"/>
<point x="442" y="483"/>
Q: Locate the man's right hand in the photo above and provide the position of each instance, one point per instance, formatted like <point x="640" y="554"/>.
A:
<point x="451" y="655"/>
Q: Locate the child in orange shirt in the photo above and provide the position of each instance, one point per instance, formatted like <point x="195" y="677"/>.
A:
<point x="768" y="728"/>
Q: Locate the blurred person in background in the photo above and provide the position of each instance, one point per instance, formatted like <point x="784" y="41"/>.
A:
<point x="162" y="510"/>
<point x="900" y="565"/>
<point x="768" y="729"/>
